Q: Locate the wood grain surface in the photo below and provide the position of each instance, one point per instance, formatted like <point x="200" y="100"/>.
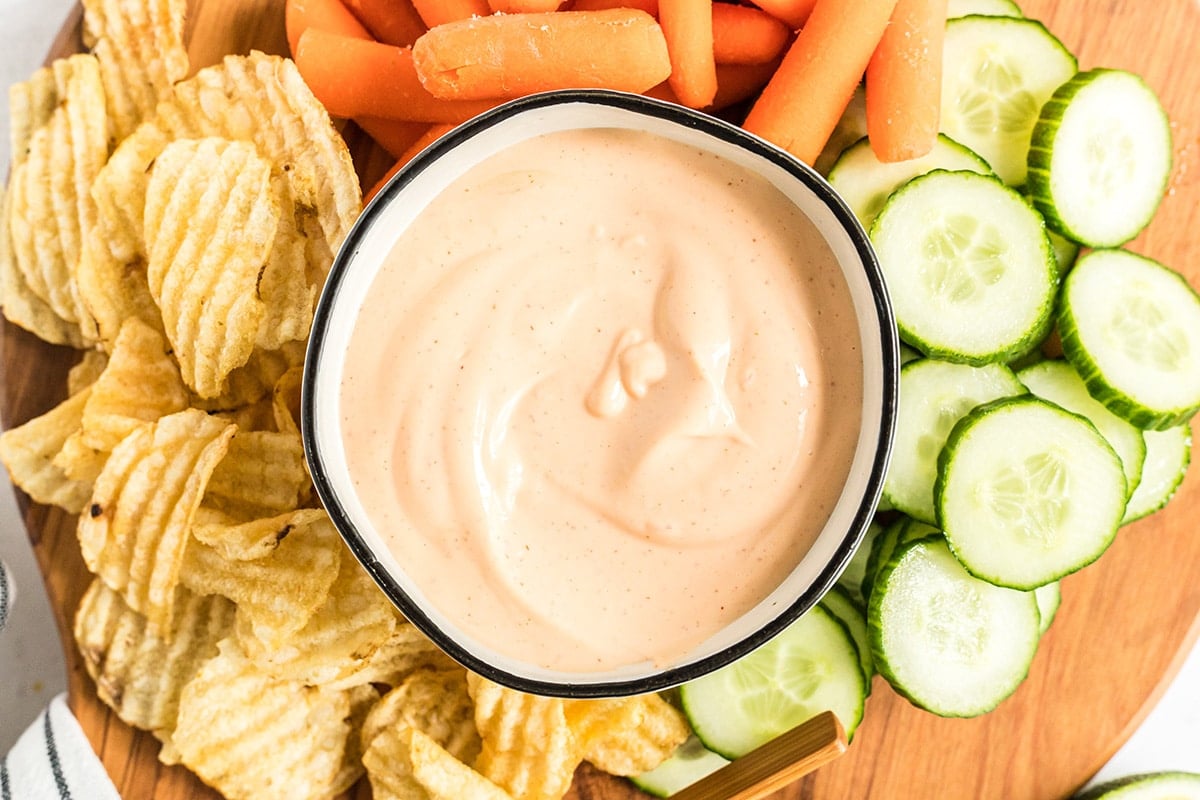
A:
<point x="1125" y="623"/>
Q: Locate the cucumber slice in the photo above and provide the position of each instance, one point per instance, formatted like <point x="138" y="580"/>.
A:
<point x="1131" y="328"/>
<point x="1049" y="598"/>
<point x="934" y="395"/>
<point x="865" y="182"/>
<point x="853" y="575"/>
<point x="1065" y="251"/>
<point x="908" y="354"/>
<point x="901" y="531"/>
<point x="688" y="764"/>
<point x="851" y="127"/>
<point x="990" y="8"/>
<point x="997" y="74"/>
<point x="1168" y="454"/>
<point x="952" y="644"/>
<point x="1153" y="786"/>
<point x="1058" y="382"/>
<point x="812" y="666"/>
<point x="1028" y="492"/>
<point x="1100" y="157"/>
<point x="968" y="266"/>
<point x="837" y="601"/>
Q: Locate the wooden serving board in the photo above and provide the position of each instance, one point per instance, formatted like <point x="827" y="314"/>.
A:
<point x="1125" y="624"/>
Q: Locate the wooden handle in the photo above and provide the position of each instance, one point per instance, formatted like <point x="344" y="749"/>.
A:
<point x="777" y="763"/>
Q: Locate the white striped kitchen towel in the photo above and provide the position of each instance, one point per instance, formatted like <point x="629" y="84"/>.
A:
<point x="54" y="761"/>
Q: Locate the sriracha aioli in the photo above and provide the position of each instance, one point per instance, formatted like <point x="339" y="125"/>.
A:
<point x="602" y="396"/>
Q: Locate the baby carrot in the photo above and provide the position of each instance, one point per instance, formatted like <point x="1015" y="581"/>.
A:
<point x="746" y="35"/>
<point x="325" y="15"/>
<point x="430" y="135"/>
<point x="793" y="13"/>
<point x="688" y="28"/>
<point x="357" y="78"/>
<point x="524" y="6"/>
<point x="904" y="82"/>
<point x="389" y="21"/>
<point x="393" y="135"/>
<point x="802" y="103"/>
<point x="649" y="6"/>
<point x="511" y="55"/>
<point x="439" y="12"/>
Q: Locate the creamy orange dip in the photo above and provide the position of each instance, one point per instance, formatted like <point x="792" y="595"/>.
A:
<point x="601" y="397"/>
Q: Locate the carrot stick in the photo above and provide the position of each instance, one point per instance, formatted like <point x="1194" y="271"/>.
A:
<point x="393" y="135"/>
<point x="431" y="134"/>
<point x="524" y="6"/>
<point x="439" y="12"/>
<point x="688" y="28"/>
<point x="357" y="78"/>
<point x="746" y="35"/>
<point x="735" y="83"/>
<point x="793" y="13"/>
<point x="812" y="87"/>
<point x="325" y="15"/>
<point x="904" y="82"/>
<point x="511" y="55"/>
<point x="649" y="6"/>
<point x="389" y="21"/>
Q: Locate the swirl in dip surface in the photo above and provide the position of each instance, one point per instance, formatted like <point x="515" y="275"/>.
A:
<point x="602" y="396"/>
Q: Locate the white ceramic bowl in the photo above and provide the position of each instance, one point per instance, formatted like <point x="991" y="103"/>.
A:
<point x="398" y="204"/>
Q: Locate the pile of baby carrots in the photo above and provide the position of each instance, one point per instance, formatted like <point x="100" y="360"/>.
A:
<point x="409" y="70"/>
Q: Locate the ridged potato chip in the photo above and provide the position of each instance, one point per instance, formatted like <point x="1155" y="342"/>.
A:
<point x="113" y="291"/>
<point x="528" y="748"/>
<point x="139" y="44"/>
<point x="210" y="222"/>
<point x="435" y="702"/>
<point x="276" y="595"/>
<point x="141" y="383"/>
<point x="262" y="475"/>
<point x="79" y="462"/>
<point x="405" y="651"/>
<point x="355" y="620"/>
<point x="30" y="451"/>
<point x="405" y="764"/>
<point x="49" y="206"/>
<point x="259" y="99"/>
<point x="21" y="305"/>
<point x="627" y="735"/>
<point x="362" y="700"/>
<point x="30" y="106"/>
<point x="140" y="673"/>
<point x="247" y="541"/>
<point x="285" y="400"/>
<point x="86" y="371"/>
<point x="134" y="532"/>
<point x="254" y="381"/>
<point x="254" y="737"/>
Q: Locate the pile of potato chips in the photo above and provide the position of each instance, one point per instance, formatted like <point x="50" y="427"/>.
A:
<point x="179" y="229"/>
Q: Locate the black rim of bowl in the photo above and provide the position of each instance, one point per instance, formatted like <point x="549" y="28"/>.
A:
<point x="691" y="119"/>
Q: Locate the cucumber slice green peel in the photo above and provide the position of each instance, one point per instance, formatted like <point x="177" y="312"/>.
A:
<point x="934" y="395"/>
<point x="1049" y="598"/>
<point x="812" y="666"/>
<point x="969" y="267"/>
<point x="1028" y="492"/>
<point x="1057" y="382"/>
<point x="688" y="764"/>
<point x="1150" y="786"/>
<point x="991" y="8"/>
<point x="999" y="71"/>
<point x="950" y="643"/>
<point x="838" y="602"/>
<point x="1131" y="329"/>
<point x="865" y="182"/>
<point x="1100" y="157"/>
<point x="1168" y="454"/>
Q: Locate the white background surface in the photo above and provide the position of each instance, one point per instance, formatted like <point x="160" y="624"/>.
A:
<point x="31" y="669"/>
